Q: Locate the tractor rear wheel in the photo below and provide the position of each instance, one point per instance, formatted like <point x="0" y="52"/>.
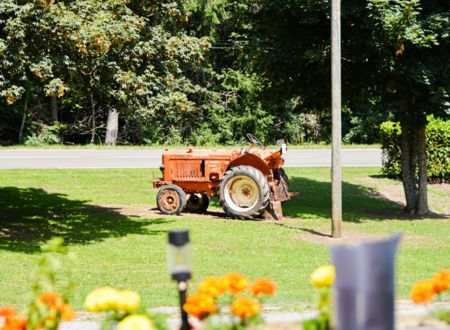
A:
<point x="244" y="192"/>
<point x="171" y="199"/>
<point x="197" y="203"/>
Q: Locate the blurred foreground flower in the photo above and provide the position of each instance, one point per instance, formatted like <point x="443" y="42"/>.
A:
<point x="200" y="305"/>
<point x="441" y="280"/>
<point x="11" y="321"/>
<point x="323" y="276"/>
<point x="235" y="283"/>
<point x="323" y="279"/>
<point x="136" y="322"/>
<point x="231" y="291"/>
<point x="263" y="286"/>
<point x="244" y="307"/>
<point x="212" y="286"/>
<point x="423" y="292"/>
<point x="123" y="310"/>
<point x="48" y="307"/>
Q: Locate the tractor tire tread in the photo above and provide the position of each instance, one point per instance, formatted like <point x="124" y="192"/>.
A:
<point x="260" y="180"/>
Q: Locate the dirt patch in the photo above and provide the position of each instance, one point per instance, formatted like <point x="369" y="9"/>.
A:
<point x="386" y="191"/>
<point x="444" y="187"/>
<point x="144" y="212"/>
<point x="312" y="236"/>
<point x="308" y="235"/>
<point x="439" y="203"/>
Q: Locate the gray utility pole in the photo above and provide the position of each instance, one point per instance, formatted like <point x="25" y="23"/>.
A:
<point x="336" y="181"/>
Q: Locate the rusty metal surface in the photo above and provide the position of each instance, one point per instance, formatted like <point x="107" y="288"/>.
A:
<point x="200" y="171"/>
<point x="192" y="166"/>
<point x="170" y="200"/>
<point x="274" y="211"/>
<point x="255" y="160"/>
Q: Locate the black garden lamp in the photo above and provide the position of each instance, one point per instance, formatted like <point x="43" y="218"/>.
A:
<point x="179" y="262"/>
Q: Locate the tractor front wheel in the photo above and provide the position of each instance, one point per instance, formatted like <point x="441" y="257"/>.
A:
<point x="244" y="192"/>
<point x="197" y="203"/>
<point x="171" y="199"/>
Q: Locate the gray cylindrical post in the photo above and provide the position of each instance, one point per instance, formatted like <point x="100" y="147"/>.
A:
<point x="336" y="184"/>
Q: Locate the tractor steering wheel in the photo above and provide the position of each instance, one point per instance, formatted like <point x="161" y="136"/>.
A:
<point x="254" y="140"/>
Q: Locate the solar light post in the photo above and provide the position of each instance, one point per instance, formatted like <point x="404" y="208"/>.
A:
<point x="179" y="262"/>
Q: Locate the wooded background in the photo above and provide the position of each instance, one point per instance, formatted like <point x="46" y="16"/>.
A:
<point x="208" y="71"/>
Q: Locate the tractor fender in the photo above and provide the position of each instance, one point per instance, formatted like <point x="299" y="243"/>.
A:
<point x="251" y="160"/>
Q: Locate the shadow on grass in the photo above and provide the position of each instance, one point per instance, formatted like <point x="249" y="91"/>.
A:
<point x="359" y="202"/>
<point x="30" y="216"/>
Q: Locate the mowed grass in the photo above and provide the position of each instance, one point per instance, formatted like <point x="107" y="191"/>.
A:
<point x="127" y="251"/>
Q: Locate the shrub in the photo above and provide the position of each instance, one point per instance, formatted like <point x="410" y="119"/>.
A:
<point x="48" y="135"/>
<point x="437" y="148"/>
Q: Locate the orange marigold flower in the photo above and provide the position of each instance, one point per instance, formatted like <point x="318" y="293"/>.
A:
<point x="441" y="280"/>
<point x="263" y="286"/>
<point x="200" y="305"/>
<point x="422" y="292"/>
<point x="7" y="311"/>
<point x="67" y="312"/>
<point x="11" y="320"/>
<point x="15" y="322"/>
<point x="50" y="298"/>
<point x="235" y="283"/>
<point x="212" y="286"/>
<point x="244" y="307"/>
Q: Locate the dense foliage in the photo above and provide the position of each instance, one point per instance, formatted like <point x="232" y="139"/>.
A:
<point x="70" y="62"/>
<point x="206" y="72"/>
<point x="438" y="149"/>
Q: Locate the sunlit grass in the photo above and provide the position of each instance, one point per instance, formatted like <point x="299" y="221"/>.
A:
<point x="128" y="251"/>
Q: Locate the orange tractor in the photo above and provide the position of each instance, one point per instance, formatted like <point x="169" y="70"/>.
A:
<point x="249" y="183"/>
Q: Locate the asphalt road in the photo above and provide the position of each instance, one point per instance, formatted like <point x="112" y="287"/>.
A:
<point x="134" y="158"/>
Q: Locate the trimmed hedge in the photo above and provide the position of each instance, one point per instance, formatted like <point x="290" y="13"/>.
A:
<point x="437" y="144"/>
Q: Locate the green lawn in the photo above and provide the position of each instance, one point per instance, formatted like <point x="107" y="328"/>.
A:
<point x="129" y="251"/>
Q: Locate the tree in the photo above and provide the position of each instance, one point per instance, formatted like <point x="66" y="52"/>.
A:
<point x="29" y="63"/>
<point x="107" y="58"/>
<point x="412" y="39"/>
<point x="395" y="60"/>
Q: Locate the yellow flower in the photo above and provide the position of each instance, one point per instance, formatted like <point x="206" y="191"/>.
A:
<point x="135" y="322"/>
<point x="128" y="300"/>
<point x="244" y="307"/>
<point x="101" y="299"/>
<point x="212" y="286"/>
<point x="323" y="276"/>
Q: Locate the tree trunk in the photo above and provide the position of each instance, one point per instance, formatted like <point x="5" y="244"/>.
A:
<point x="54" y="107"/>
<point x="408" y="161"/>
<point x="422" y="198"/>
<point x="112" y="127"/>
<point x="24" y="117"/>
<point x="93" y="129"/>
